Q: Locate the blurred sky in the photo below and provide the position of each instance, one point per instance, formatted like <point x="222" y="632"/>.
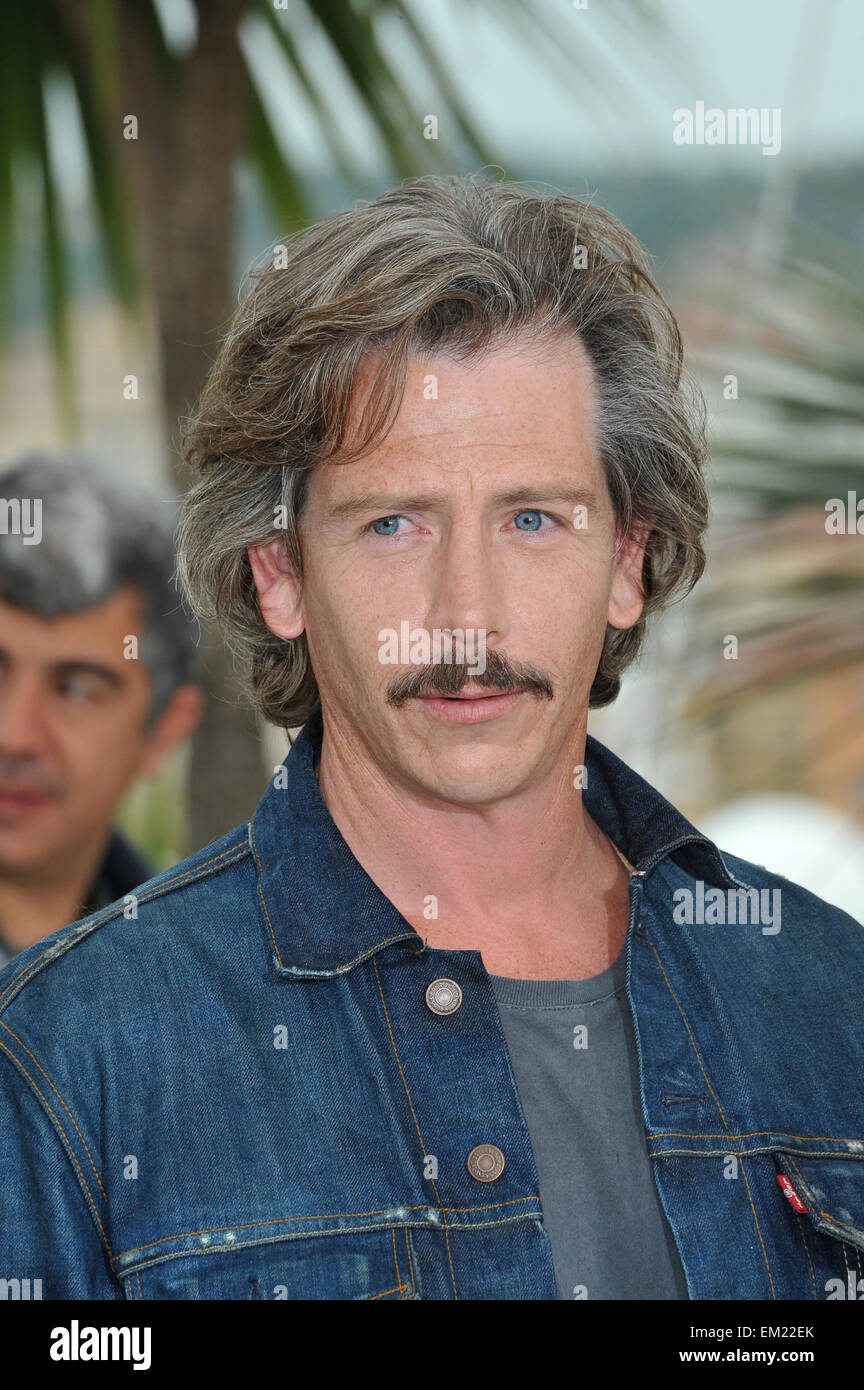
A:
<point x="802" y="57"/>
<point x="805" y="58"/>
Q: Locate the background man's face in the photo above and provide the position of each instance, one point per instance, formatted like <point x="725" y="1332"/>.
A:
<point x="72" y="717"/>
<point x="480" y="484"/>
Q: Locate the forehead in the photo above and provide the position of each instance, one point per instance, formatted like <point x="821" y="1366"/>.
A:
<point x="514" y="406"/>
<point x="100" y="629"/>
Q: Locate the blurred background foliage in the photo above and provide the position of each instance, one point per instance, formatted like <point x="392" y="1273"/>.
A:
<point x="784" y="579"/>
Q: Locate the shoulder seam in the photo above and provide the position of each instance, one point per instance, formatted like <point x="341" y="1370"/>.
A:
<point x="230" y="855"/>
<point x="66" y="1144"/>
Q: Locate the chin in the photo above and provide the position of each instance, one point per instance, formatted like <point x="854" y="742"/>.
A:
<point x="18" y="855"/>
<point x="473" y="776"/>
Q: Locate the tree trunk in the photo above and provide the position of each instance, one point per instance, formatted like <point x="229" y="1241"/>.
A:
<point x="180" y="174"/>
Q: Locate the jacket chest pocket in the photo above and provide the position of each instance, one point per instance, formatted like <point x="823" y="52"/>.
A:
<point x="350" y="1265"/>
<point x="831" y="1224"/>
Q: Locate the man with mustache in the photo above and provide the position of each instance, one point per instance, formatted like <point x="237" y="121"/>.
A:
<point x="95" y="687"/>
<point x="431" y="1024"/>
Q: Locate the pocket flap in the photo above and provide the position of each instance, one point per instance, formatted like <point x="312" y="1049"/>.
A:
<point x="354" y="1264"/>
<point x="832" y="1190"/>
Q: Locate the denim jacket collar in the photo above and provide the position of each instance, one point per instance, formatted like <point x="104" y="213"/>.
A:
<point x="324" y="914"/>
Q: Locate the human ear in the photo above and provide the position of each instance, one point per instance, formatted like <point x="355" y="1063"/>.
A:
<point x="279" y="589"/>
<point x="627" y="596"/>
<point x="178" y="720"/>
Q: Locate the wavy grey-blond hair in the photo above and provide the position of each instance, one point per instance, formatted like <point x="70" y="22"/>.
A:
<point x="438" y="265"/>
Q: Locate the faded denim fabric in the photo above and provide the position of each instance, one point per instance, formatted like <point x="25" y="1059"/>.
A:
<point x="241" y="1093"/>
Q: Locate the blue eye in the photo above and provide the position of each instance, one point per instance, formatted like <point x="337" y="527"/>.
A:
<point x="533" y="517"/>
<point x="386" y="521"/>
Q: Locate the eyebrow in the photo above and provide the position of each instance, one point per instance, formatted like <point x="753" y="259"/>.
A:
<point x="389" y="504"/>
<point x="76" y="668"/>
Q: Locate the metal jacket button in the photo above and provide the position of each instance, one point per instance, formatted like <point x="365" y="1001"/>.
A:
<point x="444" y="996"/>
<point x="486" y="1162"/>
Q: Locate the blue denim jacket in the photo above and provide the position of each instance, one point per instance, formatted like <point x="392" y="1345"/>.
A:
<point x="230" y="1084"/>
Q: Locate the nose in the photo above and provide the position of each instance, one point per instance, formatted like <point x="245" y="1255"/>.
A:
<point x="22" y="729"/>
<point x="469" y="590"/>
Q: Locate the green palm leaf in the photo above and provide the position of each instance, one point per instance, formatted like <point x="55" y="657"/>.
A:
<point x="83" y="45"/>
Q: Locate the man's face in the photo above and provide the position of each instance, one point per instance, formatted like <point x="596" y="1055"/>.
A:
<point x="72" y="727"/>
<point x="465" y="518"/>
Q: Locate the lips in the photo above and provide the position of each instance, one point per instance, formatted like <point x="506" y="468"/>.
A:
<point x="468" y="694"/>
<point x="468" y="708"/>
<point x="21" y="796"/>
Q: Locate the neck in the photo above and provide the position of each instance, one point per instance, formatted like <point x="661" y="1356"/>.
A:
<point x="530" y="881"/>
<point x="39" y="901"/>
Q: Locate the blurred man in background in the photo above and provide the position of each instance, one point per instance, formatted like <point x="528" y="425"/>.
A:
<point x="96" y="658"/>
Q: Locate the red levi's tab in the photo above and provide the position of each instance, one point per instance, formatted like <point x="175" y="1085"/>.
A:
<point x="789" y="1192"/>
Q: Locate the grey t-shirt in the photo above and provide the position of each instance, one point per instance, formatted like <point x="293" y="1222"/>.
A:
<point x="574" y="1058"/>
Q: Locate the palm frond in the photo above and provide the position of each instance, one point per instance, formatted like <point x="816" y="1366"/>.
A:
<point x="40" y="38"/>
<point x="789" y="589"/>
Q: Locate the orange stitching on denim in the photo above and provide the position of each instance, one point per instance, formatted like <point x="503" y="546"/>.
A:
<point x="857" y="1261"/>
<point x="347" y="964"/>
<point x="372" y="949"/>
<point x="737" y="1153"/>
<point x="685" y="840"/>
<point x="32" y="969"/>
<point x="261" y="888"/>
<point x="396" y="1258"/>
<point x="398" y="1289"/>
<point x="688" y="840"/>
<point x="62" y="1102"/>
<point x="69" y="1149"/>
<point x="753" y="1134"/>
<point x="692" y="1042"/>
<point x="416" y="1122"/>
<point x="138" y="1282"/>
<point x="720" y="1108"/>
<point x="310" y="1235"/>
<point x="410" y="1261"/>
<point x="807" y="1248"/>
<point x="21" y="980"/>
<point x="252" y="1225"/>
<point x="321" y="1216"/>
<point x="827" y="1215"/>
<point x="512" y="1201"/>
<point x="758" y="1228"/>
<point x="235" y="851"/>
